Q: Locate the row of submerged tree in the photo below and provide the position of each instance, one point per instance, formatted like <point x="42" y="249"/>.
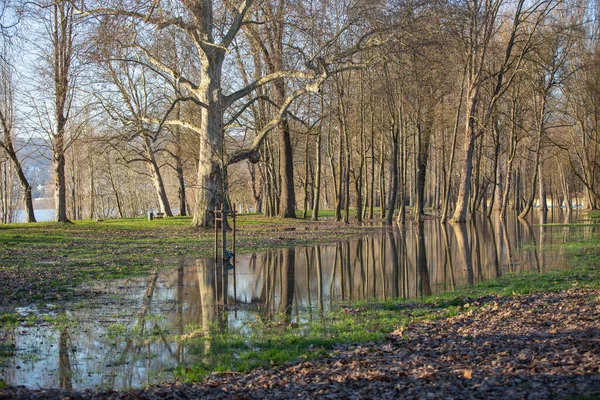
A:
<point x="458" y="106"/>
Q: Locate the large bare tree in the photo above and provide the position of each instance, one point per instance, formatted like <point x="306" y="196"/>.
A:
<point x="202" y="25"/>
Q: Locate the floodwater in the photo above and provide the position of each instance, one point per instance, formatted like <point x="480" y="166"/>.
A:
<point x="125" y="334"/>
<point x="42" y="215"/>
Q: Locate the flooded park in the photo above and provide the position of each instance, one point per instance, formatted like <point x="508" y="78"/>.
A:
<point x="134" y="332"/>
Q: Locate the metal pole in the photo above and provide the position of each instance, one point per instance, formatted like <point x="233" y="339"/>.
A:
<point x="216" y="233"/>
<point x="223" y="231"/>
<point x="233" y="239"/>
<point x="233" y="259"/>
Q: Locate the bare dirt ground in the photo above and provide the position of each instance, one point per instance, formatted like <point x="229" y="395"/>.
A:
<point x="538" y="346"/>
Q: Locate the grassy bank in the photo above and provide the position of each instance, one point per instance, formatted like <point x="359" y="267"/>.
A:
<point x="45" y="261"/>
<point x="363" y="322"/>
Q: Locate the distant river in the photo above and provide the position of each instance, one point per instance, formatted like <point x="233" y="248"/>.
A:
<point x="40" y="215"/>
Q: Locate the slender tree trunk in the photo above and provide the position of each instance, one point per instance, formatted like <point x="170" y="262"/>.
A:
<point x="306" y="175"/>
<point x="448" y="173"/>
<point x="62" y="38"/>
<point x="60" y="189"/>
<point x="542" y="188"/>
<point x="462" y="202"/>
<point x="495" y="198"/>
<point x="338" y="190"/>
<point x="317" y="193"/>
<point x="421" y="159"/>
<point x="538" y="152"/>
<point x="74" y="202"/>
<point x="372" y="176"/>
<point x="256" y="192"/>
<point x="157" y="180"/>
<point x="394" y="178"/>
<point x="27" y="194"/>
<point x="92" y="189"/>
<point x="26" y="190"/>
<point x="181" y="195"/>
<point x="382" y="193"/>
<point x="181" y="188"/>
<point x="347" y="173"/>
<point x="511" y="158"/>
<point x="403" y="173"/>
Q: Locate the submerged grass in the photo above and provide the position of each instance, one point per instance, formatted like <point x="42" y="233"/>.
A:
<point x="45" y="261"/>
<point x="318" y="333"/>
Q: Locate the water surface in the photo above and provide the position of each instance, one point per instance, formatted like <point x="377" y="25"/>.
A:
<point x="127" y="333"/>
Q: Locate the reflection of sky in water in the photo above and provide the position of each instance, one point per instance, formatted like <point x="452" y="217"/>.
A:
<point x="125" y="334"/>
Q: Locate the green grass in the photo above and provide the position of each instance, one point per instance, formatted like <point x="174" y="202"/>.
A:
<point x="9" y="320"/>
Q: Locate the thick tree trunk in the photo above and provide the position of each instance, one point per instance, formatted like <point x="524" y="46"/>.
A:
<point x="210" y="190"/>
<point x="287" y="204"/>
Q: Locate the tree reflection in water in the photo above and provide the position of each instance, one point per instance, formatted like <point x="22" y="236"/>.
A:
<point x="288" y="286"/>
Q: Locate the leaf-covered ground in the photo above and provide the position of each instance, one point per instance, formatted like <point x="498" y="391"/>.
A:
<point x="535" y="346"/>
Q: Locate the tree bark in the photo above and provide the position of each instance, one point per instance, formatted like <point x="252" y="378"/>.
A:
<point x="157" y="179"/>
<point x="317" y="192"/>
<point x="60" y="189"/>
<point x="211" y="168"/>
<point x="462" y="202"/>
